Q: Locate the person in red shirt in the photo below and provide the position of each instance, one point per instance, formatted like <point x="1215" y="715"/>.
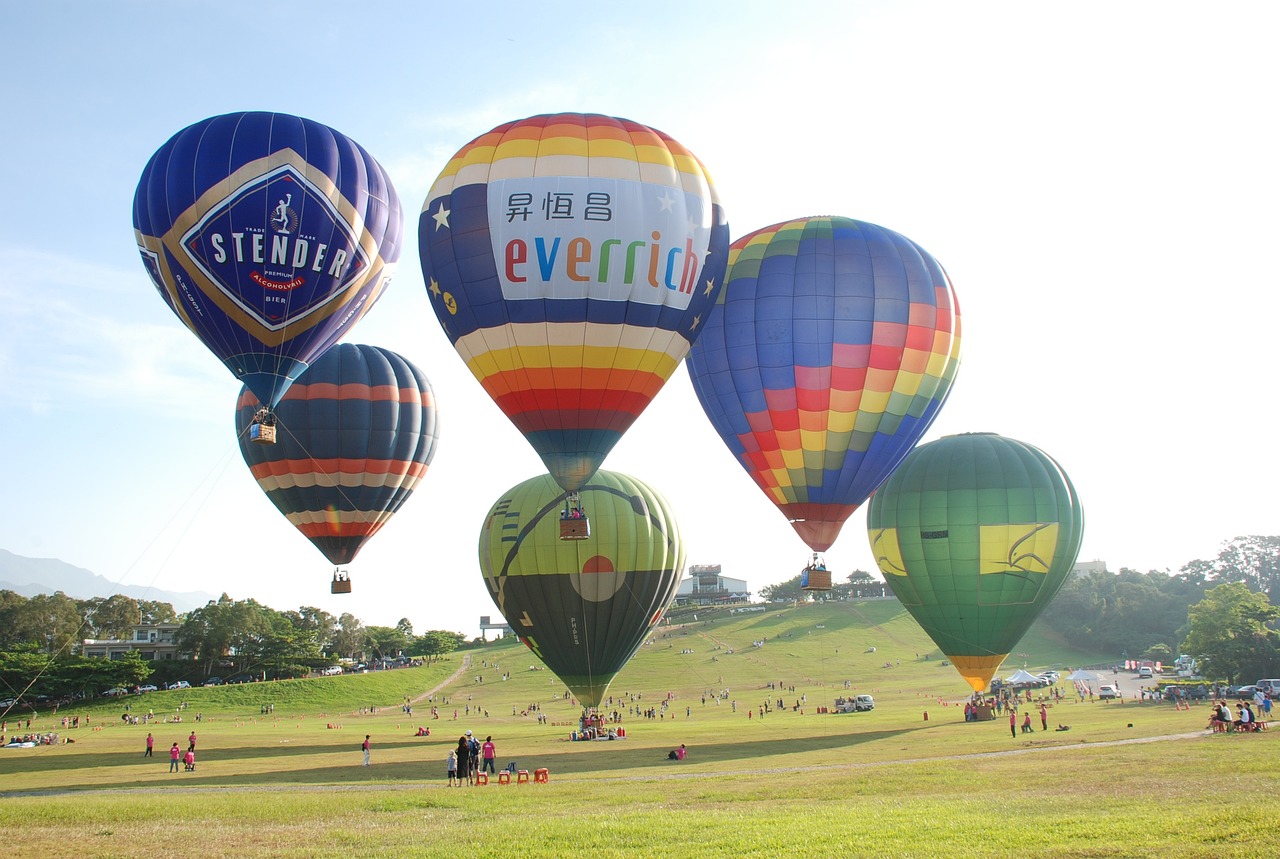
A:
<point x="174" y="754"/>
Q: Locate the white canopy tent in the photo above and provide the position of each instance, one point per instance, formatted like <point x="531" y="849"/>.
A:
<point x="1082" y="676"/>
<point x="1022" y="678"/>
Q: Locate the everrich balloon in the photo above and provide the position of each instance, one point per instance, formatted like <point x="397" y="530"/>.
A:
<point x="583" y="607"/>
<point x="829" y="353"/>
<point x="269" y="236"/>
<point x="356" y="434"/>
<point x="572" y="259"/>
<point x="975" y="534"/>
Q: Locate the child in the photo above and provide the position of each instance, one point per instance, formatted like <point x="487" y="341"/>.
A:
<point x="189" y="759"/>
<point x="452" y="764"/>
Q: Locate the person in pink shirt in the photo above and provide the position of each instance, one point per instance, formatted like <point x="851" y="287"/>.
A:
<point x="488" y="751"/>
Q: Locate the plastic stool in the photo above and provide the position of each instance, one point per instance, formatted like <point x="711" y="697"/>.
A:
<point x="540" y="776"/>
<point x="522" y="776"/>
<point x="482" y="778"/>
<point x="504" y="777"/>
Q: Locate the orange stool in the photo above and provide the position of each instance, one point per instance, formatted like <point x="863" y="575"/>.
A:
<point x="504" y="777"/>
<point x="522" y="776"/>
<point x="540" y="776"/>
<point x="482" y="778"/>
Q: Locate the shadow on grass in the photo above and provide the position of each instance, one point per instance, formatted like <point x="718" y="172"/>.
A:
<point x="218" y="767"/>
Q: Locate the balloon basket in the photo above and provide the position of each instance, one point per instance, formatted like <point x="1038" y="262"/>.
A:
<point x="575" y="529"/>
<point x="262" y="433"/>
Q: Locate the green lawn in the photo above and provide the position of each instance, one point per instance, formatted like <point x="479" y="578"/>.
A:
<point x="795" y="782"/>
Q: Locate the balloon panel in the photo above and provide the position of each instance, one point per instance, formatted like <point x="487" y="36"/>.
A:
<point x="975" y="534"/>
<point x="582" y="606"/>
<point x="356" y="434"/>
<point x="572" y="259"/>
<point x="269" y="236"/>
<point x="829" y="353"/>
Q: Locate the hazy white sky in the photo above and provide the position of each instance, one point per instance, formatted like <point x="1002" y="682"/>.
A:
<point x="1099" y="180"/>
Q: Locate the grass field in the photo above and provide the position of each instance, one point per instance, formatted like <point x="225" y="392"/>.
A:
<point x="1127" y="779"/>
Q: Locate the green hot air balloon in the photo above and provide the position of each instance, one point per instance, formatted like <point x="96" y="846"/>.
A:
<point x="975" y="534"/>
<point x="582" y="606"/>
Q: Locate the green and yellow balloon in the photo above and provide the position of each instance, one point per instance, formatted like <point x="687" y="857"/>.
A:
<point x="582" y="606"/>
<point x="975" y="534"/>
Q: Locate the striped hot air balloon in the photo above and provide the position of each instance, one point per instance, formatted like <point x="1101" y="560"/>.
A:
<point x="355" y="435"/>
<point x="572" y="259"/>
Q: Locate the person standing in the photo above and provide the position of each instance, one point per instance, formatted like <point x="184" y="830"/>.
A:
<point x="191" y="742"/>
<point x="151" y="741"/>
<point x="490" y="752"/>
<point x="174" y="754"/>
<point x="464" y="761"/>
<point x="1013" y="723"/>
<point x="452" y="765"/>
<point x="364" y="747"/>
<point x="1044" y="717"/>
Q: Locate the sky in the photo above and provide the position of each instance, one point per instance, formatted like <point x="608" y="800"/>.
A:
<point x="1099" y="180"/>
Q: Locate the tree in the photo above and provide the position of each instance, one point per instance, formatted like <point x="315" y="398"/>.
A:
<point x="1229" y="636"/>
<point x="349" y="639"/>
<point x="436" y="643"/>
<point x="1253" y="560"/>
<point x="783" y="591"/>
<point x="114" y="617"/>
<point x="152" y="612"/>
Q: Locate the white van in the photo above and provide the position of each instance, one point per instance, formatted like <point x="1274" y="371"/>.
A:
<point x="1270" y="688"/>
<point x="1145" y="672"/>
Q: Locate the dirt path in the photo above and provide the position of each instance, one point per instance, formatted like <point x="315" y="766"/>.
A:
<point x="466" y="663"/>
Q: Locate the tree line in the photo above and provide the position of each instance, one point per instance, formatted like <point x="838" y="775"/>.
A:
<point x="41" y="643"/>
<point x="1222" y="611"/>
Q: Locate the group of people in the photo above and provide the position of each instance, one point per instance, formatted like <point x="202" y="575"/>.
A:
<point x="1026" y="720"/>
<point x="1244" y="719"/>
<point x="469" y="759"/>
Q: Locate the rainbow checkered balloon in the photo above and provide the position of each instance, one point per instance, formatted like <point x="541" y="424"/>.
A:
<point x="572" y="259"/>
<point x="829" y="353"/>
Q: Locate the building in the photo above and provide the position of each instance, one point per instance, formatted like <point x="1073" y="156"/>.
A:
<point x="705" y="585"/>
<point x="1084" y="568"/>
<point x="152" y="642"/>
<point x="504" y="629"/>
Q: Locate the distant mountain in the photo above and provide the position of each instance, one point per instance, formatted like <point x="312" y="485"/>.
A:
<point x="31" y="576"/>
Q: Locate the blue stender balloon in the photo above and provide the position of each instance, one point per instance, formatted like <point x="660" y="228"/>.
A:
<point x="269" y="236"/>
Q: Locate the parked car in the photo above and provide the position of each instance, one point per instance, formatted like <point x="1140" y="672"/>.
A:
<point x="1243" y="692"/>
<point x="117" y="690"/>
<point x="180" y="684"/>
<point x="7" y="703"/>
<point x="1145" y="672"/>
<point x="242" y="678"/>
<point x="1105" y="691"/>
<point x="332" y="671"/>
<point x="863" y="703"/>
<point x="213" y="681"/>
<point x="147" y="688"/>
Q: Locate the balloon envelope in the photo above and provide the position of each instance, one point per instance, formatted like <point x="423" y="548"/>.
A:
<point x="975" y="534"/>
<point x="828" y="355"/>
<point x="269" y="236"/>
<point x="572" y="259"/>
<point x="582" y="606"/>
<point x="356" y="434"/>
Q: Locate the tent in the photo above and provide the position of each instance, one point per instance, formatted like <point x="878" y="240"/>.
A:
<point x="1080" y="675"/>
<point x="1022" y="678"/>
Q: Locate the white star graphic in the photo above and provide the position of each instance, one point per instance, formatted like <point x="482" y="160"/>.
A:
<point x="442" y="216"/>
<point x="667" y="201"/>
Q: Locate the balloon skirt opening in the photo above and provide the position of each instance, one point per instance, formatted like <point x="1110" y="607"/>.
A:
<point x="978" y="670"/>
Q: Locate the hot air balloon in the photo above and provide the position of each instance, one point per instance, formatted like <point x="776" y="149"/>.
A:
<point x="269" y="236"/>
<point x="357" y="432"/>
<point x="572" y="259"/>
<point x="829" y="353"/>
<point x="583" y="607"/>
<point x="975" y="534"/>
